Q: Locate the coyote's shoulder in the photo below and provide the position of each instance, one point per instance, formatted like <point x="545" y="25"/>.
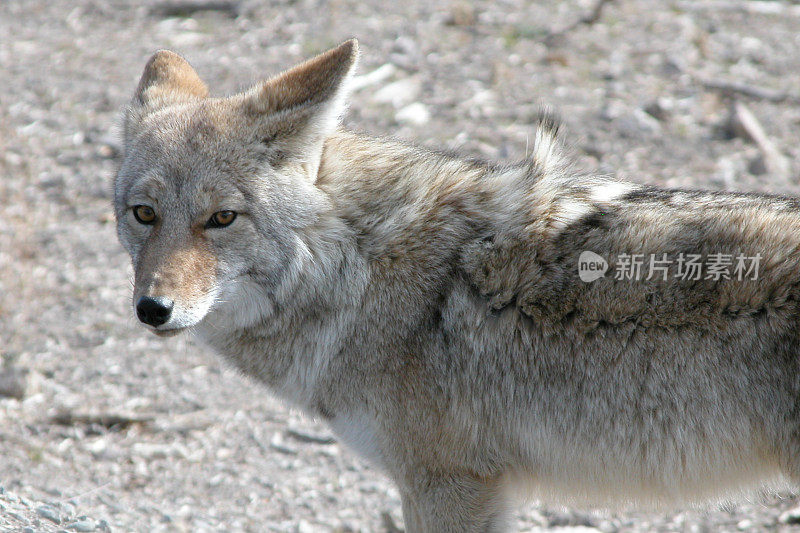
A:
<point x="517" y="231"/>
<point x="432" y="308"/>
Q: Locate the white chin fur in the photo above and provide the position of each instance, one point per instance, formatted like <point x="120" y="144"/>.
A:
<point x="241" y="303"/>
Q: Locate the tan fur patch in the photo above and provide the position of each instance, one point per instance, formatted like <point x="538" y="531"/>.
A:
<point x="185" y="273"/>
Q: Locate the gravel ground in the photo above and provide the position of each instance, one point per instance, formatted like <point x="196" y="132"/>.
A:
<point x="104" y="421"/>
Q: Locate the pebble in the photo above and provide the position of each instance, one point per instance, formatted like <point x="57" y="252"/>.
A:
<point x="563" y="519"/>
<point x="82" y="526"/>
<point x="305" y="527"/>
<point x="757" y="166"/>
<point x="45" y="511"/>
<point x="13" y="383"/>
<point x="277" y="444"/>
<point x="416" y="114"/>
<point x="378" y="75"/>
<point x="792" y="516"/>
<point x="154" y="450"/>
<point x="16" y="516"/>
<point x="97" y="447"/>
<point x="636" y="122"/>
<point x="661" y="109"/>
<point x="399" y="93"/>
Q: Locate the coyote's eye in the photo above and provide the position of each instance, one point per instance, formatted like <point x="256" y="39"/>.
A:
<point x="144" y="214"/>
<point x="220" y="219"/>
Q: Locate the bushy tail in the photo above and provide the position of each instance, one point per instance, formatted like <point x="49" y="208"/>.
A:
<point x="546" y="156"/>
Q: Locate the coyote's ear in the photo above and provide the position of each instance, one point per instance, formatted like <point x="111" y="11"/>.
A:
<point x="168" y="79"/>
<point x="297" y="109"/>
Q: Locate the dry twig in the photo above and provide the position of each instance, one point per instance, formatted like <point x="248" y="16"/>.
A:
<point x="729" y="88"/>
<point x="747" y="126"/>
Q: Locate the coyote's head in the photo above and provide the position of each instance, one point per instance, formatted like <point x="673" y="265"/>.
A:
<point x="211" y="191"/>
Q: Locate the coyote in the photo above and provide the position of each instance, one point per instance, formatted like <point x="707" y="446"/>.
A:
<point x="433" y="309"/>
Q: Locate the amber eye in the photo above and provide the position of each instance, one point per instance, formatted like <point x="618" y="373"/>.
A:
<point x="220" y="219"/>
<point x="144" y="214"/>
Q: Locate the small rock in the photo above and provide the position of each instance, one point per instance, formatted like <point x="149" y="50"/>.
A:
<point x="481" y="104"/>
<point x="744" y="525"/>
<point x="571" y="519"/>
<point x="378" y="75"/>
<point x="388" y="523"/>
<point x="757" y="166"/>
<point x="162" y="451"/>
<point x="416" y="114"/>
<point x="636" y="123"/>
<point x="305" y="527"/>
<point x="13" y="383"/>
<point x="608" y="526"/>
<point x="405" y="54"/>
<point x="107" y="152"/>
<point x="45" y="511"/>
<point x="615" y="66"/>
<point x="613" y="109"/>
<point x="405" y="45"/>
<point x="399" y="93"/>
<point x="97" y="447"/>
<point x="187" y="38"/>
<point x="672" y="66"/>
<point x="277" y="444"/>
<point x="108" y="146"/>
<point x="17" y="517"/>
<point x="82" y="526"/>
<point x="728" y="171"/>
<point x="661" y="109"/>
<point x="224" y="454"/>
<point x="461" y="14"/>
<point x="13" y="159"/>
<point x="792" y="516"/>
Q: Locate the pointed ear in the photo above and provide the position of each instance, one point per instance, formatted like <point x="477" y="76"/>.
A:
<point x="168" y="79"/>
<point x="297" y="109"/>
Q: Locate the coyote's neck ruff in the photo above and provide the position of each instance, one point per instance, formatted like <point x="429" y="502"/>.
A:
<point x="464" y="325"/>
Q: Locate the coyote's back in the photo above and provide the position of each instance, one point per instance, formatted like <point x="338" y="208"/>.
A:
<point x="466" y="326"/>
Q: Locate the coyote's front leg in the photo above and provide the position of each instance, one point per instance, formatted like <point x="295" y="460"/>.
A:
<point x="454" y="503"/>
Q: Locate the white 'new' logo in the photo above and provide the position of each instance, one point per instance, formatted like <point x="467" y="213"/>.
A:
<point x="591" y="266"/>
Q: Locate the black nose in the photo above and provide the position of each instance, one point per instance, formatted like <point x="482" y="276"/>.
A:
<point x="154" y="311"/>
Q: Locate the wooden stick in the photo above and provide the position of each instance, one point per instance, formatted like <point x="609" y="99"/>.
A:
<point x="730" y="88"/>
